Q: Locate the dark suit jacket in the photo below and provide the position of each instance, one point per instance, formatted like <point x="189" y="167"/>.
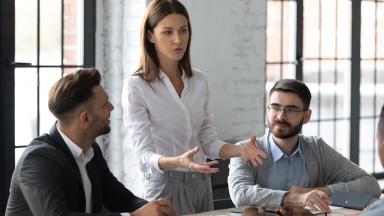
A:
<point x="47" y="181"/>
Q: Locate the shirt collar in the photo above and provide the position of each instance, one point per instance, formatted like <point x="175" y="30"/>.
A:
<point x="276" y="152"/>
<point x="75" y="149"/>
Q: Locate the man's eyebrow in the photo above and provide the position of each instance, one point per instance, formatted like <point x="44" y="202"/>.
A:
<point x="292" y="106"/>
<point x="289" y="106"/>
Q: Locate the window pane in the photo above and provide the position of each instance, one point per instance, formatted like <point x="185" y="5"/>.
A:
<point x="311" y="128"/>
<point x="367" y="88"/>
<point x="327" y="132"/>
<point x="343" y="100"/>
<point x="281" y="31"/>
<point x="368" y="29"/>
<point x="26" y="31"/>
<point x="25" y="105"/>
<point x="18" y="153"/>
<point x="327" y="91"/>
<point x="344" y="22"/>
<point x="367" y="143"/>
<point x="289" y="71"/>
<point x="328" y="28"/>
<point x="379" y="86"/>
<point x="48" y="76"/>
<point x="343" y="137"/>
<point x="73" y="32"/>
<point x="276" y="72"/>
<point x="50" y="32"/>
<point x="310" y="71"/>
<point x="311" y="29"/>
<point x="311" y="78"/>
<point x="380" y="30"/>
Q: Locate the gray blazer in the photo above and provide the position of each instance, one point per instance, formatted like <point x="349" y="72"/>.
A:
<point x="325" y="166"/>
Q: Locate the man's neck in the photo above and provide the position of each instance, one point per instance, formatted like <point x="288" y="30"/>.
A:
<point x="76" y="136"/>
<point x="287" y="145"/>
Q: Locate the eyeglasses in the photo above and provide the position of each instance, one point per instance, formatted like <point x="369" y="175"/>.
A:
<point x="290" y="112"/>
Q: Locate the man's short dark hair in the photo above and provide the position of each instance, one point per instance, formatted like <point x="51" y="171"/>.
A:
<point x="380" y="126"/>
<point x="71" y="91"/>
<point x="294" y="86"/>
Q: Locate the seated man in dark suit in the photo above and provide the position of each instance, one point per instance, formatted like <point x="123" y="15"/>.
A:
<point x="64" y="172"/>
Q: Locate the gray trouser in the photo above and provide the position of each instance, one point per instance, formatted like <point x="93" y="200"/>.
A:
<point x="189" y="192"/>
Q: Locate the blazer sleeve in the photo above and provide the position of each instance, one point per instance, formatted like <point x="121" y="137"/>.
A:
<point x="244" y="190"/>
<point x="341" y="174"/>
<point x="39" y="180"/>
<point x="116" y="197"/>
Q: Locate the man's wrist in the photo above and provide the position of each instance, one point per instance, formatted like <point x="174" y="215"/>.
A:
<point x="283" y="200"/>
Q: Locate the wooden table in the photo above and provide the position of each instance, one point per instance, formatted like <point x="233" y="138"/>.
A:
<point x="336" y="211"/>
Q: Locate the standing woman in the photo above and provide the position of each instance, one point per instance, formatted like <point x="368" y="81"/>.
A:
<point x="165" y="105"/>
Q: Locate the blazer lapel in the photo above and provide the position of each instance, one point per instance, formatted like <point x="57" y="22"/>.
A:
<point x="59" y="143"/>
<point x="95" y="178"/>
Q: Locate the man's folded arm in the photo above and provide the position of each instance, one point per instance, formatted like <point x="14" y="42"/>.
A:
<point x="244" y="190"/>
<point x="344" y="175"/>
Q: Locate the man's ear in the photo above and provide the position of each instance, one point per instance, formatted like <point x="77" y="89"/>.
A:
<point x="307" y="116"/>
<point x="85" y="119"/>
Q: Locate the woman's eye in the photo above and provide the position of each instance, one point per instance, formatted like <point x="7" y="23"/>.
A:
<point x="167" y="32"/>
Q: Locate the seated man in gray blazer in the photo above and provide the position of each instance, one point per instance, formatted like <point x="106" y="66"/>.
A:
<point x="64" y="172"/>
<point x="377" y="208"/>
<point x="300" y="170"/>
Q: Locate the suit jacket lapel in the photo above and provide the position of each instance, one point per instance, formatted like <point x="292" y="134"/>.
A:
<point x="59" y="143"/>
<point x="95" y="178"/>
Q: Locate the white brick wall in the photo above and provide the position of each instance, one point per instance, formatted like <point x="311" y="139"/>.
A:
<point x="117" y="55"/>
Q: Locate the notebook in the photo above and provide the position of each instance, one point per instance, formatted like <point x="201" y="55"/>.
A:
<point x="352" y="200"/>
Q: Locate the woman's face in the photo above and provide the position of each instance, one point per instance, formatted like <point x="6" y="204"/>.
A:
<point x="170" y="37"/>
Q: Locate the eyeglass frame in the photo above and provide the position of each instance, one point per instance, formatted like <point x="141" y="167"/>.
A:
<point x="289" y="112"/>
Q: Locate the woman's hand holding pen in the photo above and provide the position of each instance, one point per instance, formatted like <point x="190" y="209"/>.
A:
<point x="250" y="152"/>
<point x="186" y="160"/>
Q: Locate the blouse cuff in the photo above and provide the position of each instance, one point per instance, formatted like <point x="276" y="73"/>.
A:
<point x="154" y="163"/>
<point x="214" y="149"/>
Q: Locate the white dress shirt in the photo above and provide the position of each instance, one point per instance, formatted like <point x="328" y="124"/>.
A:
<point x="81" y="159"/>
<point x="161" y="123"/>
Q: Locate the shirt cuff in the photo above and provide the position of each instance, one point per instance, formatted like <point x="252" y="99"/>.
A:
<point x="214" y="149"/>
<point x="154" y="163"/>
<point x="125" y="214"/>
<point x="282" y="198"/>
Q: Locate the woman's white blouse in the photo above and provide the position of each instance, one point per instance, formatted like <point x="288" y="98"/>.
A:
<point x="161" y="123"/>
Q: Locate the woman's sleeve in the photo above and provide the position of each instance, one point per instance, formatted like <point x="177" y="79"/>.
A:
<point x="135" y="116"/>
<point x="208" y="138"/>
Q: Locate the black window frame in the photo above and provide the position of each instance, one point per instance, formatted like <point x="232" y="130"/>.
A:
<point x="7" y="83"/>
<point x="355" y="59"/>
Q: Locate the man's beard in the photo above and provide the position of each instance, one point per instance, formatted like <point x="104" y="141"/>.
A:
<point x="293" y="130"/>
<point x="102" y="129"/>
<point x="106" y="130"/>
